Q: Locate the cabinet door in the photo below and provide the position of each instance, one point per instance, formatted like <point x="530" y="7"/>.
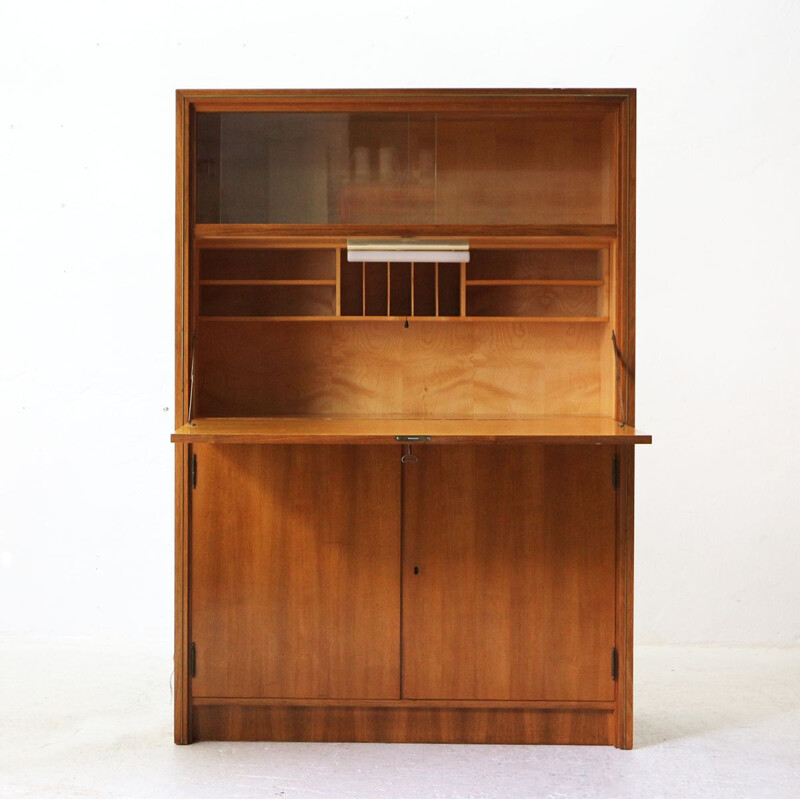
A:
<point x="509" y="573"/>
<point x="295" y="571"/>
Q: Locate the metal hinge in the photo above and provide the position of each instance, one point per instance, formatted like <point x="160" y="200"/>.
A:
<point x="192" y="660"/>
<point x="615" y="472"/>
<point x="614" y="663"/>
<point x="194" y="470"/>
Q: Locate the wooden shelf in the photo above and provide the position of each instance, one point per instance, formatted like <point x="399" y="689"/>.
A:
<point x="402" y="318"/>
<point x="532" y="282"/>
<point x="548" y="283"/>
<point x="281" y="282"/>
<point x="306" y="702"/>
<point x="316" y="430"/>
<point x="256" y="234"/>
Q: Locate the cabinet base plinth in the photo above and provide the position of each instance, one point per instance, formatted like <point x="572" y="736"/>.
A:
<point x="433" y="725"/>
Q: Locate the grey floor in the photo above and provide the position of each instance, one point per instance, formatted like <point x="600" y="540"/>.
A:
<point x="92" y="718"/>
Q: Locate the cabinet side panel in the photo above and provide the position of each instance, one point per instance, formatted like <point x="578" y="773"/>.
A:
<point x="182" y="724"/>
<point x="296" y="571"/>
<point x="625" y="553"/>
<point x="626" y="332"/>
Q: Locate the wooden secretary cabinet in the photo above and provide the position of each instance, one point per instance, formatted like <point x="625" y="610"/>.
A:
<point x="405" y="398"/>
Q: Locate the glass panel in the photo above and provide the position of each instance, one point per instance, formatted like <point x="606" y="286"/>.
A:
<point x="525" y="168"/>
<point x="399" y="168"/>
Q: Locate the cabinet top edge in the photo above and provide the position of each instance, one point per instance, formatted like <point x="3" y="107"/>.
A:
<point x="251" y="99"/>
<point x="526" y="92"/>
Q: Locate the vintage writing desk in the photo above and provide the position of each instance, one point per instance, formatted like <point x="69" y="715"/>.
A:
<point x="405" y="406"/>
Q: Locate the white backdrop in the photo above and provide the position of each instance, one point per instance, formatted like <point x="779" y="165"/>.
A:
<point x="86" y="216"/>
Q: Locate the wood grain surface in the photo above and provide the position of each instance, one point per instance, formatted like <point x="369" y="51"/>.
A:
<point x="508" y="573"/>
<point x="295" y="571"/>
<point x="436" y="725"/>
<point x="299" y="430"/>
<point x="496" y="369"/>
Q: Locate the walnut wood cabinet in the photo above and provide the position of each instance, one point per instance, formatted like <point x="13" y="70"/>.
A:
<point x="404" y="416"/>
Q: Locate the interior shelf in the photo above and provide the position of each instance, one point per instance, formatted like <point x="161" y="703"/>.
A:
<point x="396" y="318"/>
<point x="288" y="282"/>
<point x="557" y="281"/>
<point x="224" y="234"/>
<point x="316" y="430"/>
<point x="532" y="282"/>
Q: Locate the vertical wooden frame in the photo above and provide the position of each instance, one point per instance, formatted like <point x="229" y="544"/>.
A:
<point x="182" y="452"/>
<point x="462" y="289"/>
<point x="338" y="257"/>
<point x="626" y="315"/>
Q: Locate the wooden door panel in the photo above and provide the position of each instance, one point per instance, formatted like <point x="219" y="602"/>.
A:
<point x="295" y="554"/>
<point x="513" y="593"/>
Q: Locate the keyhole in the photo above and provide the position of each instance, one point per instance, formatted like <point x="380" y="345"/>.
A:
<point x="416" y="570"/>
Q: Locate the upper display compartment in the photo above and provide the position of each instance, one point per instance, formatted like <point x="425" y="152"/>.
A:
<point x="531" y="167"/>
